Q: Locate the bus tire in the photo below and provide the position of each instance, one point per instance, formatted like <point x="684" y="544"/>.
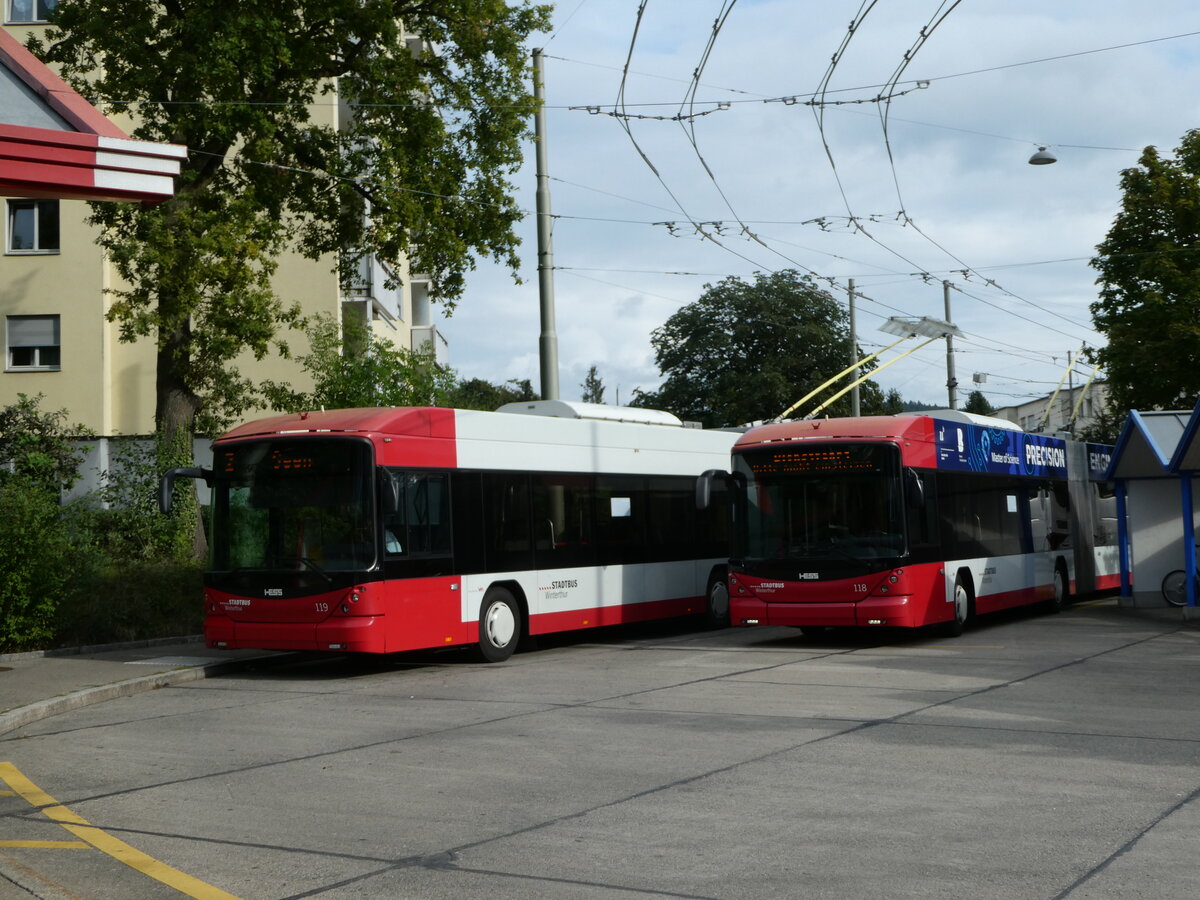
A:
<point x="716" y="602"/>
<point x="1062" y="590"/>
<point x="499" y="625"/>
<point x="964" y="599"/>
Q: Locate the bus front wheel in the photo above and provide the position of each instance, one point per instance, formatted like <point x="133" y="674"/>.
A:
<point x="499" y="625"/>
<point x="962" y="607"/>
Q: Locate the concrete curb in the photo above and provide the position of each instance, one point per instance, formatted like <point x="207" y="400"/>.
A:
<point x="45" y="709"/>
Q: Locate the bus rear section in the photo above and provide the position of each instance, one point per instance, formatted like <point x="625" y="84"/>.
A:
<point x="897" y="522"/>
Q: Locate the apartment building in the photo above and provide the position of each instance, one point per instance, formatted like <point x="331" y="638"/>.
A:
<point x="1072" y="410"/>
<point x="54" y="283"/>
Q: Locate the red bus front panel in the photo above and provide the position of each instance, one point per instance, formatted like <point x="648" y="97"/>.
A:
<point x="375" y="617"/>
<point x="908" y="597"/>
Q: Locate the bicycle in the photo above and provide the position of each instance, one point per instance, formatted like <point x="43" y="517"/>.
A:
<point x="1174" y="588"/>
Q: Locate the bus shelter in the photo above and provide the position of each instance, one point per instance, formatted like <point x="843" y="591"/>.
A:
<point x="1156" y="502"/>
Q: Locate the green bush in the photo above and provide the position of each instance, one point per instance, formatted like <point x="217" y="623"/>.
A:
<point x="113" y="601"/>
<point x="107" y="568"/>
<point x="126" y="519"/>
<point x="35" y="562"/>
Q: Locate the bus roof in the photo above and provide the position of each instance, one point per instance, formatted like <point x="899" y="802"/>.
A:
<point x="566" y="409"/>
<point x="416" y="420"/>
<point x="882" y="428"/>
<point x="453" y="438"/>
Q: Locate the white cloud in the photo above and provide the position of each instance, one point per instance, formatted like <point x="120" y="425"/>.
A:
<point x="959" y="149"/>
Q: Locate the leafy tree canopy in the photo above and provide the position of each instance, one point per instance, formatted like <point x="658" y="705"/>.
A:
<point x="40" y="446"/>
<point x="978" y="404"/>
<point x="746" y="351"/>
<point x="417" y="164"/>
<point x="1149" y="265"/>
<point x="349" y="370"/>
<point x="476" y="393"/>
<point x="593" y="387"/>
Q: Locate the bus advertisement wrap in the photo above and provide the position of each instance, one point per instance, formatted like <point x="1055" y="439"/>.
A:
<point x="997" y="451"/>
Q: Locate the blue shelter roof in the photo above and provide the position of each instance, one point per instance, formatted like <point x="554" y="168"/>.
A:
<point x="1147" y="444"/>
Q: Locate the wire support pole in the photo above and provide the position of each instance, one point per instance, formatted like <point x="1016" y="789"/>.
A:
<point x="951" y="381"/>
<point x="548" y="341"/>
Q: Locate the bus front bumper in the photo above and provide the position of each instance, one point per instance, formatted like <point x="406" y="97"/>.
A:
<point x="894" y="611"/>
<point x="349" y="634"/>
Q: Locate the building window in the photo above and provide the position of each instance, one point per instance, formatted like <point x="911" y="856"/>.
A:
<point x="33" y="342"/>
<point x="32" y="226"/>
<point x="30" y="10"/>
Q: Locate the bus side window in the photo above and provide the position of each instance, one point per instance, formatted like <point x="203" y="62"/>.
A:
<point x="507" y="522"/>
<point x="420" y="523"/>
<point x="395" y="531"/>
<point x="924" y="527"/>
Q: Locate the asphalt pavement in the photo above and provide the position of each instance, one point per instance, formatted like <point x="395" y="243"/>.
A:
<point x="34" y="686"/>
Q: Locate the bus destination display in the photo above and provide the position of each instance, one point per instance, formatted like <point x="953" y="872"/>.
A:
<point x="818" y="460"/>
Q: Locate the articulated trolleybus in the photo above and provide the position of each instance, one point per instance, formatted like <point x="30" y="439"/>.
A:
<point x="912" y="521"/>
<point x="381" y="530"/>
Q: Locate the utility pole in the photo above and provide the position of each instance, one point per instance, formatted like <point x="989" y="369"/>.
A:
<point x="548" y="342"/>
<point x="855" y="409"/>
<point x="951" y="381"/>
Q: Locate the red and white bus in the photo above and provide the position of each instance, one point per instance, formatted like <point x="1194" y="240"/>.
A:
<point x="381" y="530"/>
<point x="912" y="521"/>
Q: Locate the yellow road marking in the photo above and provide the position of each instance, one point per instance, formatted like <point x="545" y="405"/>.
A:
<point x="47" y="845"/>
<point x="104" y="842"/>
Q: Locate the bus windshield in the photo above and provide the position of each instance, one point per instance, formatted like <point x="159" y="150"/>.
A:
<point x="822" y="502"/>
<point x="299" y="505"/>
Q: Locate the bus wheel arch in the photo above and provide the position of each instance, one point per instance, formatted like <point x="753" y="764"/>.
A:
<point x="716" y="599"/>
<point x="502" y="622"/>
<point x="964" y="603"/>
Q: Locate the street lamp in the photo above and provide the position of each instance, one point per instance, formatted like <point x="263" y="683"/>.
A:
<point x="1043" y="157"/>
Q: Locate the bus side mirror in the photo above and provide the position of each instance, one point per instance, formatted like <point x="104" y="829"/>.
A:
<point x="704" y="487"/>
<point x="166" y="487"/>
<point x="914" y="489"/>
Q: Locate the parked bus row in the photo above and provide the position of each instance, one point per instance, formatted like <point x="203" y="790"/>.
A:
<point x="384" y="530"/>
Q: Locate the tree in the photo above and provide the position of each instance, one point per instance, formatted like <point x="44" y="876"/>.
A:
<point x="978" y="404"/>
<point x="747" y="351"/>
<point x="420" y="169"/>
<point x="476" y="393"/>
<point x="893" y="403"/>
<point x="39" y="446"/>
<point x="1149" y="265"/>
<point x="593" y="387"/>
<point x="349" y="369"/>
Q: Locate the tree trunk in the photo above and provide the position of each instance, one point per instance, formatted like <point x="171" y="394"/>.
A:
<point x="175" y="409"/>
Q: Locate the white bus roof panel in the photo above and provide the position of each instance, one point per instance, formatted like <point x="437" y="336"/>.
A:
<point x="545" y="443"/>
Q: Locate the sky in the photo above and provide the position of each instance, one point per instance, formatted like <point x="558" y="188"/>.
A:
<point x="931" y="186"/>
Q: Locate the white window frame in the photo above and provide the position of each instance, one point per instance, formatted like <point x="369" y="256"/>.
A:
<point x="12" y="17"/>
<point x="39" y="334"/>
<point x="11" y="208"/>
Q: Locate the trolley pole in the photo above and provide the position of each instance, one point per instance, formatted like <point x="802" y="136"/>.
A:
<point x="548" y="342"/>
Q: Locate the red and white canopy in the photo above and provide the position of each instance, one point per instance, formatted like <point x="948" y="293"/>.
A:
<point x="55" y="144"/>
